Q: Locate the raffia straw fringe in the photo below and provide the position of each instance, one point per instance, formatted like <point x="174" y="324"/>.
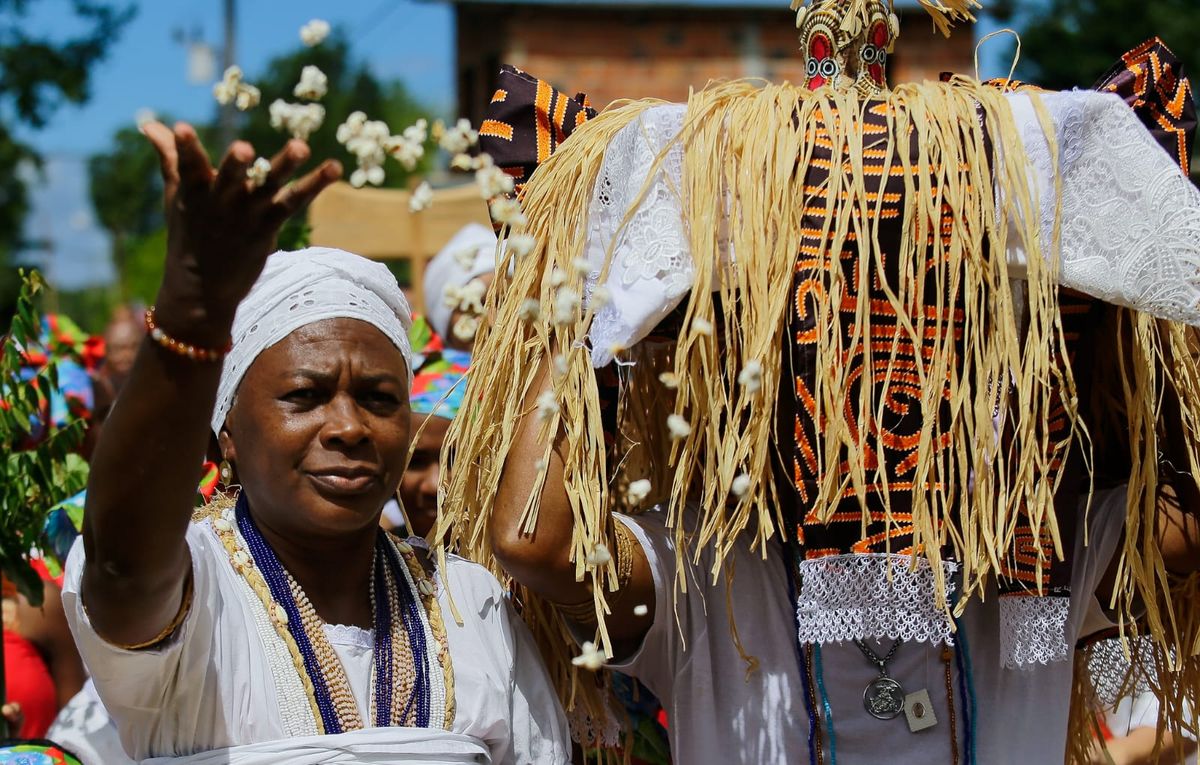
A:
<point x="961" y="168"/>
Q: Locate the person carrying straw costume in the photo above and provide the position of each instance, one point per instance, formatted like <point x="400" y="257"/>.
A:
<point x="886" y="504"/>
<point x="283" y="624"/>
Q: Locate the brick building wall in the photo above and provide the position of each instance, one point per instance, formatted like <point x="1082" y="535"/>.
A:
<point x="625" y="52"/>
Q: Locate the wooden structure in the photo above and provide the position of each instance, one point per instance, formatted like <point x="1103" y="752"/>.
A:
<point x="378" y="224"/>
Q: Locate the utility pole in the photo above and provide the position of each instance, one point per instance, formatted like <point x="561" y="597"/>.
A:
<point x="228" y="119"/>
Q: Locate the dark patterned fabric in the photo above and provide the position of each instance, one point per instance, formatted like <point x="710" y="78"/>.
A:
<point x="899" y="429"/>
<point x="893" y="438"/>
<point x="526" y="121"/>
<point x="1154" y="84"/>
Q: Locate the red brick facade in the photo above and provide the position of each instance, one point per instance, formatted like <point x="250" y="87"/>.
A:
<point x="622" y="52"/>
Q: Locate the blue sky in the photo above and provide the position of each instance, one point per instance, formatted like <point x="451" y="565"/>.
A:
<point x="147" y="69"/>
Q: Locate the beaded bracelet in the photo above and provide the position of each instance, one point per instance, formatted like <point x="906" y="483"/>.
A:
<point x="180" y="348"/>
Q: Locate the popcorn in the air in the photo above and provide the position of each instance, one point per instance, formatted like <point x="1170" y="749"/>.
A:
<point x="457" y="139"/>
<point x="590" y="658"/>
<point x="233" y="89"/>
<point x="521" y="244"/>
<point x="469" y="297"/>
<point x="508" y="212"/>
<point x="466" y="327"/>
<point x="314" y="32"/>
<point x="560" y="364"/>
<point x="258" y="172"/>
<point x="301" y="120"/>
<point x="566" y="306"/>
<point x="599" y="556"/>
<point x="530" y="310"/>
<point x="750" y="377"/>
<point x="462" y="162"/>
<point x="313" y="84"/>
<point x="409" y="147"/>
<point x="493" y="182"/>
<point x="465" y="258"/>
<point x="702" y="326"/>
<point x="740" y="485"/>
<point x="421" y="198"/>
<point x="638" y="490"/>
<point x="678" y="426"/>
<point x="547" y="405"/>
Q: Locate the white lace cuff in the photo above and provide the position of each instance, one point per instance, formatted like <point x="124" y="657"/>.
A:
<point x="856" y="597"/>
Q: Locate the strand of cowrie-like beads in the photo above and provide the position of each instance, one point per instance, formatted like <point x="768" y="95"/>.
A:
<point x="243" y="564"/>
<point x="422" y="598"/>
<point x="403" y="663"/>
<point x="443" y="691"/>
<point x="334" y="674"/>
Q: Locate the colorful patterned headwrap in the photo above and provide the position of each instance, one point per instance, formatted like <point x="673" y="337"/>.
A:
<point x="439" y="387"/>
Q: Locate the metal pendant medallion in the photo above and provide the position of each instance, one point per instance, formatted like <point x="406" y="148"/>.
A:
<point x="884" y="698"/>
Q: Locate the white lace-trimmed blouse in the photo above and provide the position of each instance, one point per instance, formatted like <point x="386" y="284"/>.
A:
<point x="221" y="683"/>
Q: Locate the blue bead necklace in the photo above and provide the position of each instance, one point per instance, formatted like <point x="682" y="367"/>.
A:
<point x="391" y="596"/>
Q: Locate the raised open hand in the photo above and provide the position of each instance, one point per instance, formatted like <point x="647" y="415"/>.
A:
<point x="221" y="227"/>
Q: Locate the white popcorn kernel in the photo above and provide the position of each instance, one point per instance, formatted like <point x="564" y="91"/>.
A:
<point x="422" y="197"/>
<point x="638" y="491"/>
<point x="741" y="485"/>
<point x="678" y="426"/>
<point x="314" y="32"/>
<point x="258" y="172"/>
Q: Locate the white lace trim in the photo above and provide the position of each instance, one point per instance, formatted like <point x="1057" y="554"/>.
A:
<point x="652" y="266"/>
<point x="1033" y="630"/>
<point x="1112" y="673"/>
<point x="1130" y="217"/>
<point x="856" y="597"/>
<point x="350" y="635"/>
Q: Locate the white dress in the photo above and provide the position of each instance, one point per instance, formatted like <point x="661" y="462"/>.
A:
<point x="723" y="712"/>
<point x="222" y="683"/>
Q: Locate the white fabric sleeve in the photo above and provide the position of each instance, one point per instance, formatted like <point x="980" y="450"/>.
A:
<point x="151" y="690"/>
<point x="1130" y="218"/>
<point x="539" y="727"/>
<point x="656" y="660"/>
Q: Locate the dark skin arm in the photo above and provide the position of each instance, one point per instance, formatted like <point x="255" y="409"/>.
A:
<point x="541" y="561"/>
<point x="220" y="231"/>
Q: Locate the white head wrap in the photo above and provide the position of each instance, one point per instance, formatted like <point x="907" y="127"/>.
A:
<point x="446" y="270"/>
<point x="306" y="286"/>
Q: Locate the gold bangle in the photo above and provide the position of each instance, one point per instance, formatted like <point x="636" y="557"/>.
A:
<point x="180" y="348"/>
<point x="624" y="539"/>
<point x="580" y="613"/>
<point x="184" y="608"/>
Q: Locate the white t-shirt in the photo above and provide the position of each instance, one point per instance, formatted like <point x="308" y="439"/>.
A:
<point x="719" y="712"/>
<point x="213" y="684"/>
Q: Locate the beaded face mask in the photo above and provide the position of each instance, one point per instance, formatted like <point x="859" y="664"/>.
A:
<point x="846" y="43"/>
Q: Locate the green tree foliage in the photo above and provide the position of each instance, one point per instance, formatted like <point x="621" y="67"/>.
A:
<point x="37" y="75"/>
<point x="38" y="465"/>
<point x="1071" y="43"/>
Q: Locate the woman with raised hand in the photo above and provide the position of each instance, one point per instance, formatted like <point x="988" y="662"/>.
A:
<point x="285" y="624"/>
